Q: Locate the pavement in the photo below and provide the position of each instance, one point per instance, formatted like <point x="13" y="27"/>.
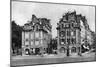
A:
<point x="38" y="56"/>
<point x="33" y="60"/>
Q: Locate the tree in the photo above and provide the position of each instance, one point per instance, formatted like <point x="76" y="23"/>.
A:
<point x="15" y="36"/>
<point x="52" y="46"/>
<point x="93" y="40"/>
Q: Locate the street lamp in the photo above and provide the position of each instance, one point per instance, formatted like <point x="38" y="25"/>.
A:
<point x="67" y="49"/>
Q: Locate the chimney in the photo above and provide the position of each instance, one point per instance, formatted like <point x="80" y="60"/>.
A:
<point x="33" y="17"/>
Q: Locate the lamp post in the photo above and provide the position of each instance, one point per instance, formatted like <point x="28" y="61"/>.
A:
<point x="67" y="49"/>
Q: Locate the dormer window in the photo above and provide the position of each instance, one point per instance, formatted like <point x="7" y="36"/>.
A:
<point x="37" y="27"/>
<point x="64" y="18"/>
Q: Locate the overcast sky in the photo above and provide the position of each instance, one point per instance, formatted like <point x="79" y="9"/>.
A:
<point x="22" y="12"/>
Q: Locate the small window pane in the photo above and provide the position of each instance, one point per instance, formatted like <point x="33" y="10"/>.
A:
<point x="36" y="42"/>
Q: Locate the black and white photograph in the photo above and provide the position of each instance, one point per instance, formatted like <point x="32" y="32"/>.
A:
<point x="51" y="33"/>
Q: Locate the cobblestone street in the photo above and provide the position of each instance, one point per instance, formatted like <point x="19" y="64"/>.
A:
<point x="26" y="60"/>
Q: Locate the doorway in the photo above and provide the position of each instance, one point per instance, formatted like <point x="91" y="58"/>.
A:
<point x="37" y="51"/>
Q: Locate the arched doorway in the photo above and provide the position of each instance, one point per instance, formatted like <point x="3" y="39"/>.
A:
<point x="73" y="50"/>
<point x="27" y="51"/>
<point x="37" y="50"/>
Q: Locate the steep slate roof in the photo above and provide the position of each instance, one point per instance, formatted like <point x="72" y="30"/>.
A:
<point x="42" y="22"/>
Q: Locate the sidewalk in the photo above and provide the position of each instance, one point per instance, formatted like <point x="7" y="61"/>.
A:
<point x="84" y="55"/>
<point x="89" y="54"/>
<point x="55" y="56"/>
<point x="38" y="57"/>
<point x="74" y="55"/>
<point x="29" y="60"/>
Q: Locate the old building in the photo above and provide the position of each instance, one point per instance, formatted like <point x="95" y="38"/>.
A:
<point x="71" y="31"/>
<point x="36" y="36"/>
<point x="86" y="33"/>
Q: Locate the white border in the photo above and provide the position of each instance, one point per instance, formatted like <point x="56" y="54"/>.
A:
<point x="5" y="33"/>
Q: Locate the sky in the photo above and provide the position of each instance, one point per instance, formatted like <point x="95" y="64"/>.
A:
<point x="22" y="13"/>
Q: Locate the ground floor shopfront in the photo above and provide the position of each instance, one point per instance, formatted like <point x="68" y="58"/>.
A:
<point x="70" y="50"/>
<point x="34" y="51"/>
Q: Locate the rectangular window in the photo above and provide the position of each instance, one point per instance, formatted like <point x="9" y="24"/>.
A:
<point x="67" y="25"/>
<point x="26" y="42"/>
<point x="73" y="41"/>
<point x="32" y="43"/>
<point x="41" y="41"/>
<point x="62" y="25"/>
<point x="41" y="35"/>
<point x="44" y="36"/>
<point x="68" y="33"/>
<point x="32" y="35"/>
<point x="68" y="41"/>
<point x="72" y="33"/>
<point x="73" y="24"/>
<point x="36" y="42"/>
<point x="23" y="38"/>
<point x="62" y="41"/>
<point x="26" y="35"/>
<point x="36" y="34"/>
